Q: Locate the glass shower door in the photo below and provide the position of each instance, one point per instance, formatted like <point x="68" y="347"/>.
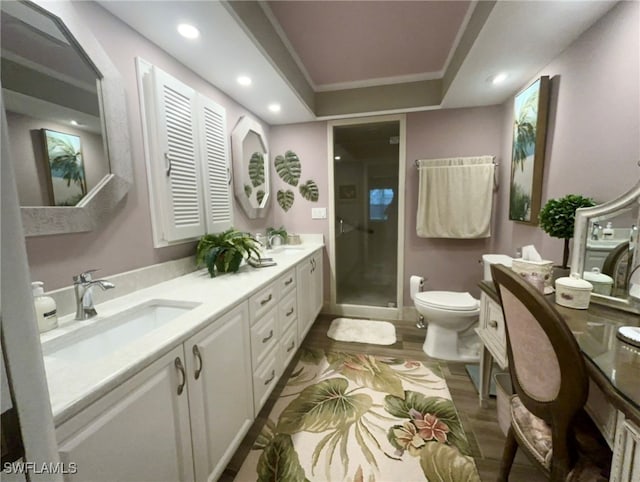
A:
<point x="366" y="210"/>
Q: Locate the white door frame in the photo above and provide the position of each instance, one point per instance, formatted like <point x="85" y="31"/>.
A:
<point x="358" y="310"/>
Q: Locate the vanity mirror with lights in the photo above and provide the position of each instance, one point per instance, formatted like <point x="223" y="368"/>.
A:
<point x="605" y="238"/>
<point x="250" y="154"/>
<point x="66" y="116"/>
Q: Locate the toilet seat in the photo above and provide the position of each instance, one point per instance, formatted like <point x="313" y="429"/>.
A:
<point x="448" y="300"/>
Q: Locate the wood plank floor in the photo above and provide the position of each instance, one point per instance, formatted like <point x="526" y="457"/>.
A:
<point x="481" y="425"/>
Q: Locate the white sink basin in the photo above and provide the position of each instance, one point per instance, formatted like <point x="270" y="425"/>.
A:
<point x="286" y="249"/>
<point x="111" y="333"/>
<point x="604" y="244"/>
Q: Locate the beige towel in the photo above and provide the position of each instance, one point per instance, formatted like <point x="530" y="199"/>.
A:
<point x="455" y="198"/>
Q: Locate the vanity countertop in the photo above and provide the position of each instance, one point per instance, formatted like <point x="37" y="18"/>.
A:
<point x="612" y="364"/>
<point x="74" y="386"/>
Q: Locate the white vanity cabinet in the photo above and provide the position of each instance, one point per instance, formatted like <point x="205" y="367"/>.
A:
<point x="273" y="315"/>
<point x="220" y="391"/>
<point x="310" y="297"/>
<point x="139" y="431"/>
<point x="199" y="395"/>
<point x="625" y="465"/>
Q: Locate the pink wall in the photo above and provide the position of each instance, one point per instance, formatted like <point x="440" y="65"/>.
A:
<point x="125" y="242"/>
<point x="593" y="144"/>
<point x="448" y="264"/>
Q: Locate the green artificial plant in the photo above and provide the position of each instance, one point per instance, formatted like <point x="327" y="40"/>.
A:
<point x="224" y="252"/>
<point x="279" y="232"/>
<point x="557" y="218"/>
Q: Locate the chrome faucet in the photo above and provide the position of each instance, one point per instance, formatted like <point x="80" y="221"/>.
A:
<point x="84" y="300"/>
<point x="270" y="240"/>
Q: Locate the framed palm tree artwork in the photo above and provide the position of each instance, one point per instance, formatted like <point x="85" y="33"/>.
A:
<point x="531" y="107"/>
<point x="67" y="181"/>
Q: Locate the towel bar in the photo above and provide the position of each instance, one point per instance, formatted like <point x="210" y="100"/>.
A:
<point x="494" y="163"/>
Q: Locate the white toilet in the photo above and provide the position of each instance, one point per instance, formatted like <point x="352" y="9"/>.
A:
<point x="449" y="314"/>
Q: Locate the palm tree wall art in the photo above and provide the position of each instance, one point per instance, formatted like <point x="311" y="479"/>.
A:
<point x="67" y="180"/>
<point x="527" y="161"/>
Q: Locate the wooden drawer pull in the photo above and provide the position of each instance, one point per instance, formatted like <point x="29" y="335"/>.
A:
<point x="293" y="344"/>
<point x="270" y="379"/>
<point x="266" y="300"/>
<point x="493" y="323"/>
<point x="290" y="312"/>
<point x="288" y="282"/>
<point x="264" y="340"/>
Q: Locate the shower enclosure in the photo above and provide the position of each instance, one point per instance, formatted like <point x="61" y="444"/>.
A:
<point x="366" y="175"/>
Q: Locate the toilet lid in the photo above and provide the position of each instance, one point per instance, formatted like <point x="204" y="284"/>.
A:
<point x="449" y="300"/>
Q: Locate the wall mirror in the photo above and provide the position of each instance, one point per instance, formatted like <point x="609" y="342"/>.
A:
<point x="250" y="154"/>
<point x="66" y="116"/>
<point x="614" y="250"/>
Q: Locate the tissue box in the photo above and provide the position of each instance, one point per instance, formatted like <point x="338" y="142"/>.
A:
<point x="542" y="268"/>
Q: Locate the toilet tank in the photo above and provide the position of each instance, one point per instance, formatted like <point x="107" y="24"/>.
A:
<point x="489" y="259"/>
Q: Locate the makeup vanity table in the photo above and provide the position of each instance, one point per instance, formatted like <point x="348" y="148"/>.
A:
<point x="613" y="367"/>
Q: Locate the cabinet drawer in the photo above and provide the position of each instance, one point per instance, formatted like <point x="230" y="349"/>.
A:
<point x="264" y="379"/>
<point x="262" y="302"/>
<point x="603" y="414"/>
<point x="287" y="311"/>
<point x="287" y="282"/>
<point x="493" y="330"/>
<point x="288" y="345"/>
<point x="264" y="336"/>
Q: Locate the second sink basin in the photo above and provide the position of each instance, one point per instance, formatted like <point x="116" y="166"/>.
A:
<point x="111" y="333"/>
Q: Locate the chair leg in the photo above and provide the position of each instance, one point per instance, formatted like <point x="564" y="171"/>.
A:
<point x="509" y="453"/>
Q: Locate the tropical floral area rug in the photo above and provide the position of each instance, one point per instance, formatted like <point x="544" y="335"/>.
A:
<point x="361" y="418"/>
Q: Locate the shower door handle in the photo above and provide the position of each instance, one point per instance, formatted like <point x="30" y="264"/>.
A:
<point x="341" y="221"/>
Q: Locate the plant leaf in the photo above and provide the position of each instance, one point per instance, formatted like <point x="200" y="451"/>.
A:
<point x="440" y="407"/>
<point x="285" y="199"/>
<point x="323" y="406"/>
<point x="256" y="169"/>
<point x="309" y="191"/>
<point x="368" y="371"/>
<point x="247" y="190"/>
<point x="288" y="167"/>
<point x="442" y="463"/>
<point x="311" y="356"/>
<point x="279" y="462"/>
<point x="260" y="196"/>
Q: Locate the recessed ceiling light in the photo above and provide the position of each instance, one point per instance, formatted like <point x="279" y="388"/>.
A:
<point x="188" y="31"/>
<point x="274" y="107"/>
<point x="244" y="80"/>
<point x="499" y="78"/>
<point x="74" y="123"/>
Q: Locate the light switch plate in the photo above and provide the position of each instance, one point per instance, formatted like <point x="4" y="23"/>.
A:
<point x="318" y="213"/>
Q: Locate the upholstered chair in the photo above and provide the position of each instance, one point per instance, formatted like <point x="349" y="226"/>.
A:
<point x="549" y="378"/>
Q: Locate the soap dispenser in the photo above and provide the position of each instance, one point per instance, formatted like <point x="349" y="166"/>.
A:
<point x="607" y="233"/>
<point x="46" y="312"/>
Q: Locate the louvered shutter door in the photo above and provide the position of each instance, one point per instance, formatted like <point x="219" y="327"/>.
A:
<point x="184" y="218"/>
<point x="215" y="165"/>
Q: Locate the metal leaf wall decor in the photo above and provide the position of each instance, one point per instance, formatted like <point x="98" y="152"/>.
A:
<point x="288" y="167"/>
<point x="309" y="191"/>
<point x="248" y="190"/>
<point x="285" y="199"/>
<point x="259" y="196"/>
<point x="256" y="169"/>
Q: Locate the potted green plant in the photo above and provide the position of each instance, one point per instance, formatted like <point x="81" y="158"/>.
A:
<point x="223" y="253"/>
<point x="557" y="218"/>
<point x="278" y="232"/>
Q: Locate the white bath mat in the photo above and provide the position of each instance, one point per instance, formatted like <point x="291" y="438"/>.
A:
<point x="362" y="331"/>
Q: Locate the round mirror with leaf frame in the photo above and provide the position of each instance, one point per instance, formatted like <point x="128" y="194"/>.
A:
<point x="605" y="238"/>
<point x="250" y="154"/>
<point x="67" y="119"/>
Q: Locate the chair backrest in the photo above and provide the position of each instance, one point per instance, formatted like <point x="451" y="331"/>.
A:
<point x="616" y="265"/>
<point x="547" y="367"/>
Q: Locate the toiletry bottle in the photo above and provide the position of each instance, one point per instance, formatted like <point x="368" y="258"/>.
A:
<point x="607" y="233"/>
<point x="46" y="312"/>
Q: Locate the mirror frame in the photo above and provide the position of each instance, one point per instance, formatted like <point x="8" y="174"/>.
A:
<point x="96" y="207"/>
<point x="240" y="131"/>
<point x="580" y="232"/>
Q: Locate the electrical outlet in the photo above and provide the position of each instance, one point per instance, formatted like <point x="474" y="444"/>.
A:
<point x="318" y="213"/>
